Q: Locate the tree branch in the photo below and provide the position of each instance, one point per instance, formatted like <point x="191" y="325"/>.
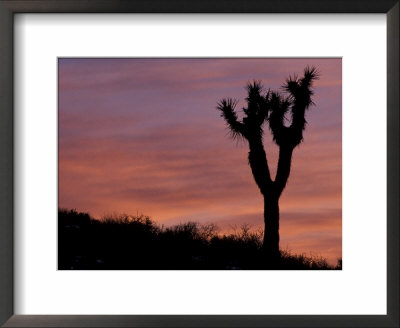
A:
<point x="300" y="91"/>
<point x="283" y="170"/>
<point x="277" y="106"/>
<point x="227" y="108"/>
<point x="259" y="165"/>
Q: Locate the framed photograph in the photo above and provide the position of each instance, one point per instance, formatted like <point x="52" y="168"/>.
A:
<point x="209" y="164"/>
<point x="148" y="145"/>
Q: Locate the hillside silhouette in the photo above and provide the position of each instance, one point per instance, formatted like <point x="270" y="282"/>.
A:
<point x="123" y="242"/>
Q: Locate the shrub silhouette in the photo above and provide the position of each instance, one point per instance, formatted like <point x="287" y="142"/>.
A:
<point x="272" y="107"/>
<point x="123" y="242"/>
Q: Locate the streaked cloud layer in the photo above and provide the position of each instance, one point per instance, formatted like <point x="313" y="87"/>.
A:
<point x="143" y="136"/>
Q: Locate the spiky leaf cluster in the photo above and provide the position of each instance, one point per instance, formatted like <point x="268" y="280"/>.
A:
<point x="277" y="107"/>
<point x="227" y="108"/>
<point x="273" y="108"/>
<point x="300" y="94"/>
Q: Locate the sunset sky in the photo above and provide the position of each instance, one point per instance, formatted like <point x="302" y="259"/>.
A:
<point x="143" y="136"/>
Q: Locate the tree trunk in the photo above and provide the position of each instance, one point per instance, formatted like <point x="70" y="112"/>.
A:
<point x="271" y="232"/>
<point x="271" y="204"/>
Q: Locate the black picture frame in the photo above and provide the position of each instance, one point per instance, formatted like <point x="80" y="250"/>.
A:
<point x="10" y="7"/>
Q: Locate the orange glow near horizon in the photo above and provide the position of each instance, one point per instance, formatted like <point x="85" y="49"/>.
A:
<point x="142" y="136"/>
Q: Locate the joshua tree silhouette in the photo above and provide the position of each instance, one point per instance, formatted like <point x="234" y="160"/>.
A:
<point x="273" y="108"/>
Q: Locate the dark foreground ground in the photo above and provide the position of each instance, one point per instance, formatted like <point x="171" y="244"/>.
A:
<point x="138" y="243"/>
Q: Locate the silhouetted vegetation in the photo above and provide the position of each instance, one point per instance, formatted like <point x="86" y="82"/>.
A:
<point x="285" y="115"/>
<point x="123" y="242"/>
